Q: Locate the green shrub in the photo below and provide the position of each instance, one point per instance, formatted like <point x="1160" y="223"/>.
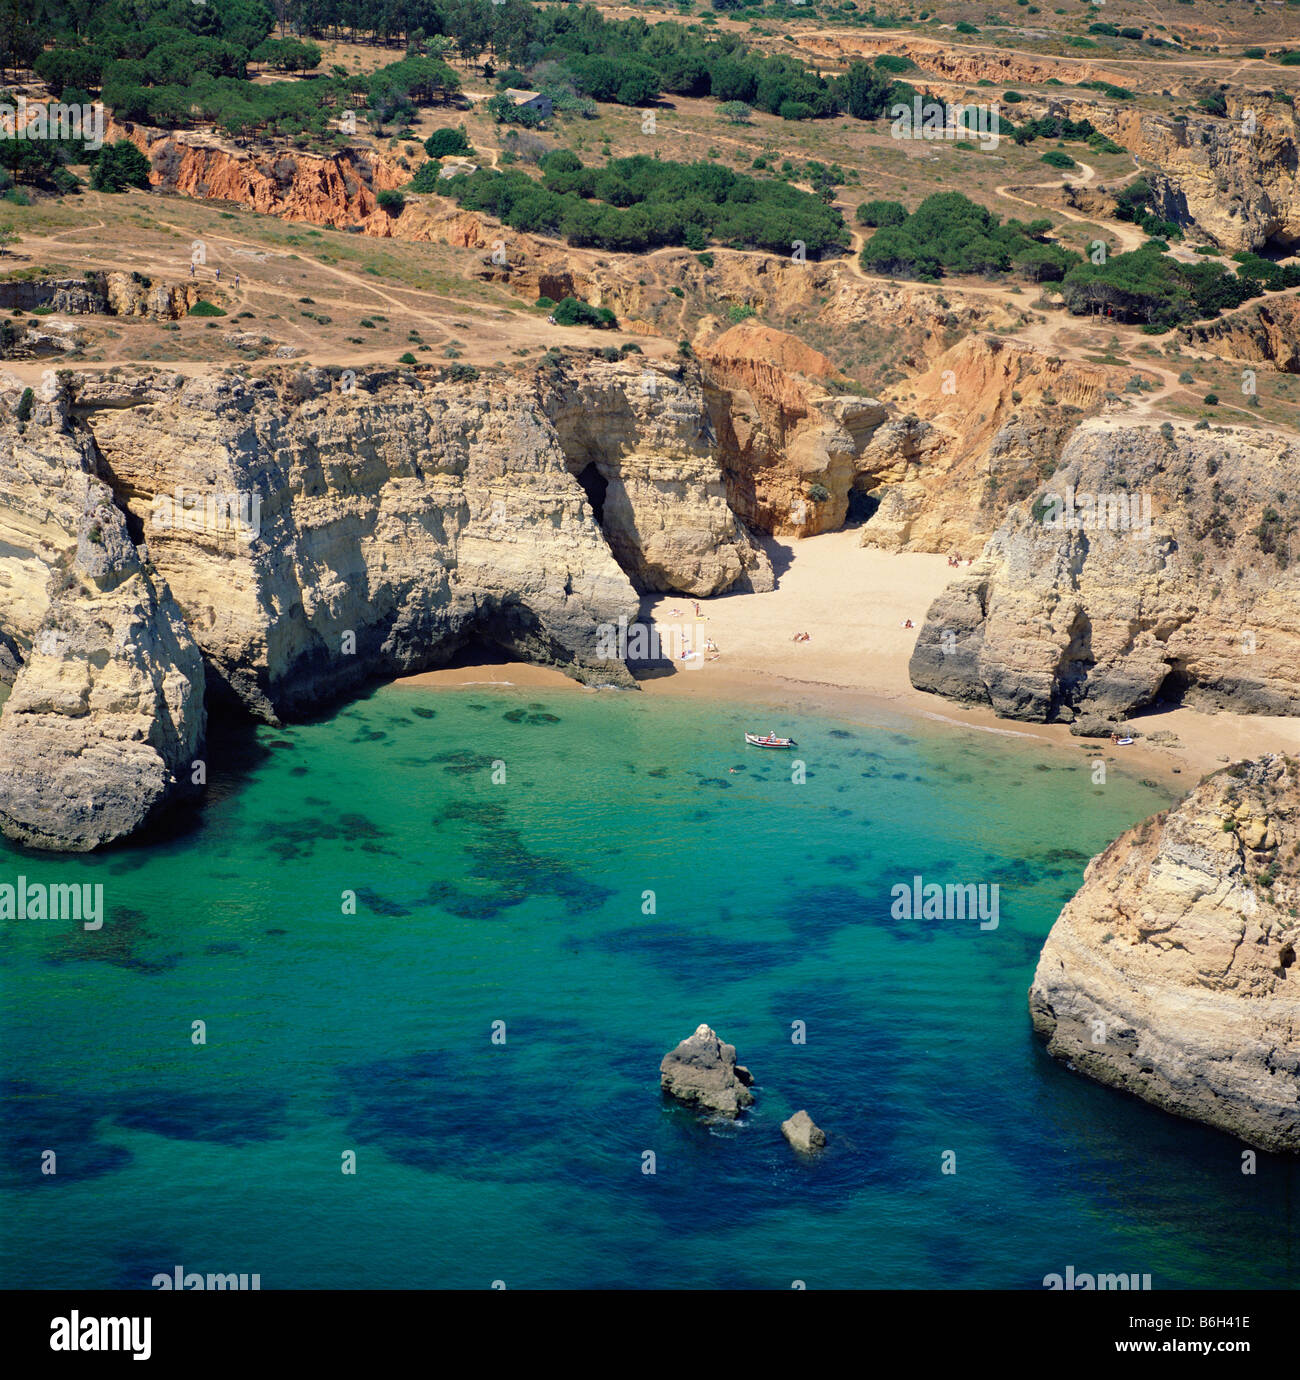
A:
<point x="881" y="213"/>
<point x="572" y="312"/>
<point x="202" y="308"/>
<point x="445" y="143"/>
<point x="950" y="233"/>
<point x="638" y="203"/>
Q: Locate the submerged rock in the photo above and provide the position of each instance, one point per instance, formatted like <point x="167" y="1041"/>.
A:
<point x="1172" y="972"/>
<point x="702" y="1072"/>
<point x="802" y="1133"/>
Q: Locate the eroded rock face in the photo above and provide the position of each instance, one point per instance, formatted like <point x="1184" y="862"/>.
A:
<point x="318" y="530"/>
<point x="702" y="1072"/>
<point x="106" y="717"/>
<point x="1203" y="606"/>
<point x="379" y="526"/>
<point x="400" y="516"/>
<point x="337" y="191"/>
<point x="642" y="443"/>
<point x="1266" y="333"/>
<point x="1240" y="188"/>
<point x="955" y="62"/>
<point x="988" y="421"/>
<point x="793" y="446"/>
<point x="97" y="294"/>
<point x="1172" y="971"/>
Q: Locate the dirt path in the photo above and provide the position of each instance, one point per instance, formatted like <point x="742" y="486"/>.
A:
<point x="1129" y="236"/>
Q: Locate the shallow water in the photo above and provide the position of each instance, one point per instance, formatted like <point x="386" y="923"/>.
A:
<point x="523" y="899"/>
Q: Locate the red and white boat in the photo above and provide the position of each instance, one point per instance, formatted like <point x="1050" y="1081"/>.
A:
<point x="769" y="740"/>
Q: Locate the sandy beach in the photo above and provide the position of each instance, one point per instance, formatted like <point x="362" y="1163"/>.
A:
<point x="853" y="602"/>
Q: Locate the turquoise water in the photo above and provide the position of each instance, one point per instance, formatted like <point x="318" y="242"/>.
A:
<point x="523" y="901"/>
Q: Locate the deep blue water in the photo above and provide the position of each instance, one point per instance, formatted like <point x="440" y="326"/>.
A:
<point x="523" y="900"/>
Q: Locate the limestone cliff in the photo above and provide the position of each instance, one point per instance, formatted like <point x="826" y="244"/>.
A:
<point x="1266" y="332"/>
<point x="642" y="443"/>
<point x="1172" y="971"/>
<point x="1155" y="564"/>
<point x="372" y="526"/>
<point x="320" y="528"/>
<point x="416" y="512"/>
<point x="795" y="446"/>
<point x="106" y="717"/>
<point x="990" y="417"/>
<point x="1235" y="179"/>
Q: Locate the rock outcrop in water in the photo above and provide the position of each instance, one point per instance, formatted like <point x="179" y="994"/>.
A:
<point x="106" y="717"/>
<point x="702" y="1073"/>
<point x="1179" y="588"/>
<point x="1172" y="972"/>
<point x="803" y="1134"/>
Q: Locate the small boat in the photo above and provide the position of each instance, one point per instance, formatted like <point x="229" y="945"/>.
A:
<point x="1123" y="742"/>
<point x="769" y="740"/>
